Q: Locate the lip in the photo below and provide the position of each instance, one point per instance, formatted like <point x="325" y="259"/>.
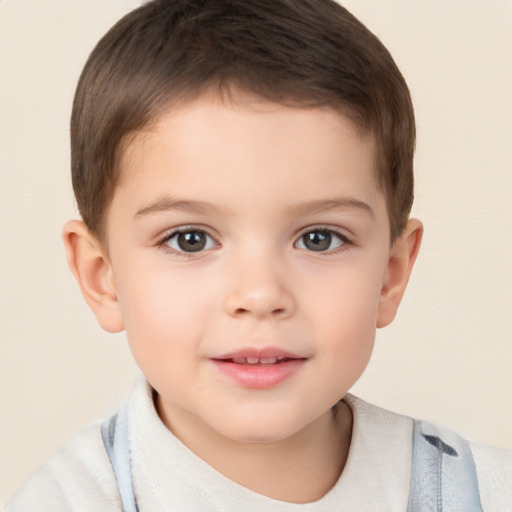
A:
<point x="260" y="353"/>
<point x="262" y="375"/>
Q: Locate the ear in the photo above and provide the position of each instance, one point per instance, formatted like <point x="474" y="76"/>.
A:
<point x="92" y="270"/>
<point x="401" y="260"/>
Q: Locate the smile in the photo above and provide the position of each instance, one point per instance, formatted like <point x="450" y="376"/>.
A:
<point x="259" y="369"/>
<point x="257" y="360"/>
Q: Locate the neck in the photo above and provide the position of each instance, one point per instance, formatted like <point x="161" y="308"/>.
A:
<point x="298" y="469"/>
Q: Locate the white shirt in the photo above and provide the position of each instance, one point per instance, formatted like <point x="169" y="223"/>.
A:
<point x="167" y="476"/>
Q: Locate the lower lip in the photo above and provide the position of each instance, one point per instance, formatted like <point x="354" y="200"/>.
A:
<point x="259" y="376"/>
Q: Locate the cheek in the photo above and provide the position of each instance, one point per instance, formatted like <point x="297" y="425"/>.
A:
<point x="349" y="294"/>
<point x="344" y="312"/>
<point x="162" y="310"/>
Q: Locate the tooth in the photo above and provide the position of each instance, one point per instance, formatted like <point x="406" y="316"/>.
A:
<point x="268" y="360"/>
<point x="253" y="360"/>
<point x="240" y="360"/>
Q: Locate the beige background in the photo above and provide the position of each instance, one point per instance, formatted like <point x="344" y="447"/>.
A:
<point x="447" y="358"/>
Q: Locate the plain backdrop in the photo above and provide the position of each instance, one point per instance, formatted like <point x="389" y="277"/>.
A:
<point x="447" y="357"/>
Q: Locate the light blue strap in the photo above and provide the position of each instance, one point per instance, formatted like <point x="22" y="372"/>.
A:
<point x="443" y="477"/>
<point x="115" y="434"/>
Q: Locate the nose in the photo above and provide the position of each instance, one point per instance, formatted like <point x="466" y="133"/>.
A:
<point x="257" y="287"/>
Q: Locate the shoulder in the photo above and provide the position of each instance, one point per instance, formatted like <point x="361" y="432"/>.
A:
<point x="390" y="435"/>
<point x="381" y="450"/>
<point x="78" y="477"/>
<point x="494" y="473"/>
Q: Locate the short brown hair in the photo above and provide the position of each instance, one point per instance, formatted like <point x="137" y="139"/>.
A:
<point x="305" y="53"/>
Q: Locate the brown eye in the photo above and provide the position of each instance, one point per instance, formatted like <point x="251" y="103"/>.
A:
<point x="320" y="240"/>
<point x="190" y="241"/>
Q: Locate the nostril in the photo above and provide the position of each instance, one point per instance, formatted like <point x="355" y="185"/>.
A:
<point x="273" y="305"/>
<point x="273" y="312"/>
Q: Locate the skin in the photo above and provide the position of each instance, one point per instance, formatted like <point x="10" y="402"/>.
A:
<point x="255" y="178"/>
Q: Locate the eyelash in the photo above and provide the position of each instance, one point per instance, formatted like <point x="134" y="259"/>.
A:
<point x="344" y="245"/>
<point x="345" y="242"/>
<point x="183" y="230"/>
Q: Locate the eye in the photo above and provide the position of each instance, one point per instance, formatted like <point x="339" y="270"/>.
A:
<point x="320" y="240"/>
<point x="189" y="240"/>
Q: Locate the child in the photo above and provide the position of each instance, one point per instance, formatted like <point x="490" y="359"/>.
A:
<point x="244" y="175"/>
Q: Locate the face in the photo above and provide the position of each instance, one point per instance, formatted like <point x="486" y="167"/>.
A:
<point x="249" y="245"/>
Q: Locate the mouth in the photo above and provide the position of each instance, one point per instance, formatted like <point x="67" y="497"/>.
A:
<point x="252" y="361"/>
<point x="259" y="369"/>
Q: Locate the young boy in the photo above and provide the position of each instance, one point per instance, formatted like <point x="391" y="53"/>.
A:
<point x="244" y="175"/>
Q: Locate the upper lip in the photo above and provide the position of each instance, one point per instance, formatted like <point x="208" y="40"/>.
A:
<point x="259" y="353"/>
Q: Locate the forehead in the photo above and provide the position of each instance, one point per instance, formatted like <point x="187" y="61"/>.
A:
<point x="231" y="149"/>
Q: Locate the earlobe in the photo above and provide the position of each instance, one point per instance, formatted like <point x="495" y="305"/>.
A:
<point x="93" y="272"/>
<point x="402" y="256"/>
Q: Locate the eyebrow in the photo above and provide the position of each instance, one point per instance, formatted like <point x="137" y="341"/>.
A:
<point x="310" y="207"/>
<point x="168" y="203"/>
<point x="338" y="203"/>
